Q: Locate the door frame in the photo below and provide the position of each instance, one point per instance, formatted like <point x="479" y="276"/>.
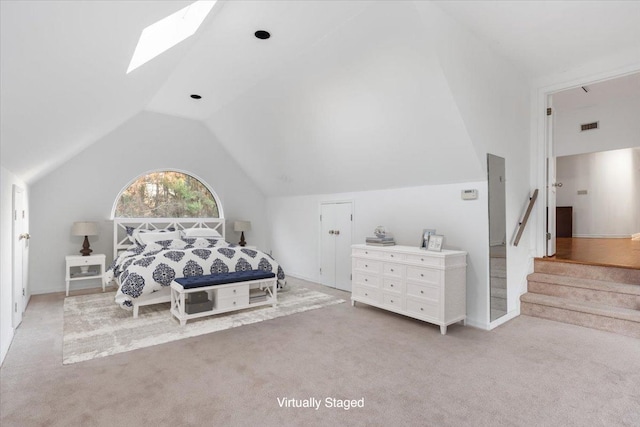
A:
<point x="319" y="229"/>
<point x="551" y="191"/>
<point x="540" y="147"/>
<point x="18" y="297"/>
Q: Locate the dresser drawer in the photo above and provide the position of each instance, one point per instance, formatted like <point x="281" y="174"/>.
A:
<point x="393" y="256"/>
<point x="233" y="291"/>
<point x="430" y="292"/>
<point x="366" y="293"/>
<point x="426" y="260"/>
<point x="423" y="308"/>
<point x="366" y="253"/>
<point x="392" y="270"/>
<point x="425" y="275"/>
<point x="367" y="265"/>
<point x="238" y="301"/>
<point x="392" y="300"/>
<point x="392" y="285"/>
<point x="367" y="280"/>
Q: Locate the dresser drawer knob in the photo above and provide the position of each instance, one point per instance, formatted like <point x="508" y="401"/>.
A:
<point x="391" y="255"/>
<point x="421" y="259"/>
<point x="366" y="253"/>
<point x="391" y="301"/>
<point x="366" y="265"/>
<point x="392" y="269"/>
<point x="366" y="294"/>
<point x="234" y="291"/>
<point x="422" y="292"/>
<point x="421" y="275"/>
<point x="392" y="285"/>
<point x="234" y="303"/>
<point x="366" y="280"/>
<point x="421" y="309"/>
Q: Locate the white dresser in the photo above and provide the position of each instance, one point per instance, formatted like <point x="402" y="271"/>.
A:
<point x="429" y="286"/>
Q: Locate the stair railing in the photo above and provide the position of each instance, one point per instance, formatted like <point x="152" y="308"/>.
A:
<point x="522" y="224"/>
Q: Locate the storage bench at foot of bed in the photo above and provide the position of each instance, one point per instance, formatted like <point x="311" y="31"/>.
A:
<point x="201" y="296"/>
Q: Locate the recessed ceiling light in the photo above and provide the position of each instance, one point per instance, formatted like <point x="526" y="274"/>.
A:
<point x="262" y="34"/>
<point x="168" y="32"/>
<point x="196" y="96"/>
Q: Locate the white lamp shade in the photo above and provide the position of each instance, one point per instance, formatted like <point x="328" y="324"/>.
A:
<point x="84" y="228"/>
<point x="242" y="226"/>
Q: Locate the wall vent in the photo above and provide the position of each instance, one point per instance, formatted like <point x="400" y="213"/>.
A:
<point x="589" y="126"/>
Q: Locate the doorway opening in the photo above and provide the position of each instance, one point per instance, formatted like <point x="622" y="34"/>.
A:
<point x="596" y="189"/>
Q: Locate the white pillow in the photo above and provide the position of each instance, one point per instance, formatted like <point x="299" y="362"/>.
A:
<point x="133" y="232"/>
<point x="200" y="232"/>
<point x="153" y="236"/>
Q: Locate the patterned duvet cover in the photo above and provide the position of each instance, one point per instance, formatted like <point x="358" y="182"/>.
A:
<point x="147" y="268"/>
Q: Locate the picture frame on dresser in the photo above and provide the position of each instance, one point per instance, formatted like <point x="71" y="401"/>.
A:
<point x="435" y="242"/>
<point x="425" y="237"/>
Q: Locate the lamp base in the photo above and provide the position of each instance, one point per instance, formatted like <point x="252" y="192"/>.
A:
<point x="86" y="251"/>
<point x="242" y="242"/>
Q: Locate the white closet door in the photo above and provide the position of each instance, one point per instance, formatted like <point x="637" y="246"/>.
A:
<point x="335" y="241"/>
<point x="328" y="245"/>
<point x="343" y="246"/>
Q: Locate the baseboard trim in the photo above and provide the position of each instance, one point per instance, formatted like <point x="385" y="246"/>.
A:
<point x="603" y="236"/>
<point x="480" y="325"/>
<point x="302" y="277"/>
<point x="504" y="319"/>
<point x="5" y="347"/>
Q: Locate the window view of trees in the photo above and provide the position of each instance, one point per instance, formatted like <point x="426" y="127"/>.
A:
<point x="167" y="195"/>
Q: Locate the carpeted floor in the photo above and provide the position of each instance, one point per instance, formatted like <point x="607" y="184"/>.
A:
<point x="94" y="326"/>
<point x="527" y="372"/>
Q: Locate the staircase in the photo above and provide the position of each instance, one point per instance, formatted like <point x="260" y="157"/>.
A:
<point x="594" y="296"/>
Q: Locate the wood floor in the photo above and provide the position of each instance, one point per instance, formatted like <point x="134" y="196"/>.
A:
<point x="613" y="252"/>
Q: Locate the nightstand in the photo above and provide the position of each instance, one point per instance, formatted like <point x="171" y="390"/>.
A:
<point x="84" y="267"/>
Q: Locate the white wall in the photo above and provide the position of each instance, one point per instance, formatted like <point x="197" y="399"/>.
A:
<point x="493" y="99"/>
<point x="404" y="212"/>
<point x="612" y="181"/>
<point x="7" y="181"/>
<point x="85" y="188"/>
<point x="619" y="127"/>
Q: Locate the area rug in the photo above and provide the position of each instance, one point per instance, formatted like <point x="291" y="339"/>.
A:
<point x="95" y="326"/>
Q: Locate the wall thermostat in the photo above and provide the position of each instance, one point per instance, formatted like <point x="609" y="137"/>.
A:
<point x="469" y="194"/>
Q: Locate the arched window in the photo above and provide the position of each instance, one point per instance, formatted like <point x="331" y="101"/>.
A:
<point x="167" y="194"/>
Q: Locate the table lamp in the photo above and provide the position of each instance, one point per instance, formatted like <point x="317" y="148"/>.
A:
<point x="242" y="226"/>
<point x="86" y="229"/>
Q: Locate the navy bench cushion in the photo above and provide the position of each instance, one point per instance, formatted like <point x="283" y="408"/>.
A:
<point x="223" y="278"/>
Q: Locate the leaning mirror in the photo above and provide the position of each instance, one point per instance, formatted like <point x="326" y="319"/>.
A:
<point x="497" y="237"/>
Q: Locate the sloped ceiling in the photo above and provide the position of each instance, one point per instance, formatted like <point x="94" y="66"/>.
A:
<point x="346" y="95"/>
<point x="63" y="76"/>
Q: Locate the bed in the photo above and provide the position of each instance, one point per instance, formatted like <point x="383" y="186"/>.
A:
<point x="150" y="253"/>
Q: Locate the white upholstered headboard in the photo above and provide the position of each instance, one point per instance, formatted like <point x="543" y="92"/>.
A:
<point x="121" y="240"/>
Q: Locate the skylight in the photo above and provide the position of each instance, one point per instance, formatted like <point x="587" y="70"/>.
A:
<point x="169" y="31"/>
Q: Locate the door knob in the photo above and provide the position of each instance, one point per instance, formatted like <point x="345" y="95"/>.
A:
<point x="331" y="231"/>
<point x="336" y="232"/>
<point x="557" y="184"/>
<point x="24" y="236"/>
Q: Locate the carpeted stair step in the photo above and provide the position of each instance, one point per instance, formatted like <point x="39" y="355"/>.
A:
<point x="584" y="271"/>
<point x="587" y="290"/>
<point x="623" y="321"/>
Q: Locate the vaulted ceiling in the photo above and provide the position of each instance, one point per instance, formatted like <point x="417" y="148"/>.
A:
<point x="341" y="91"/>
